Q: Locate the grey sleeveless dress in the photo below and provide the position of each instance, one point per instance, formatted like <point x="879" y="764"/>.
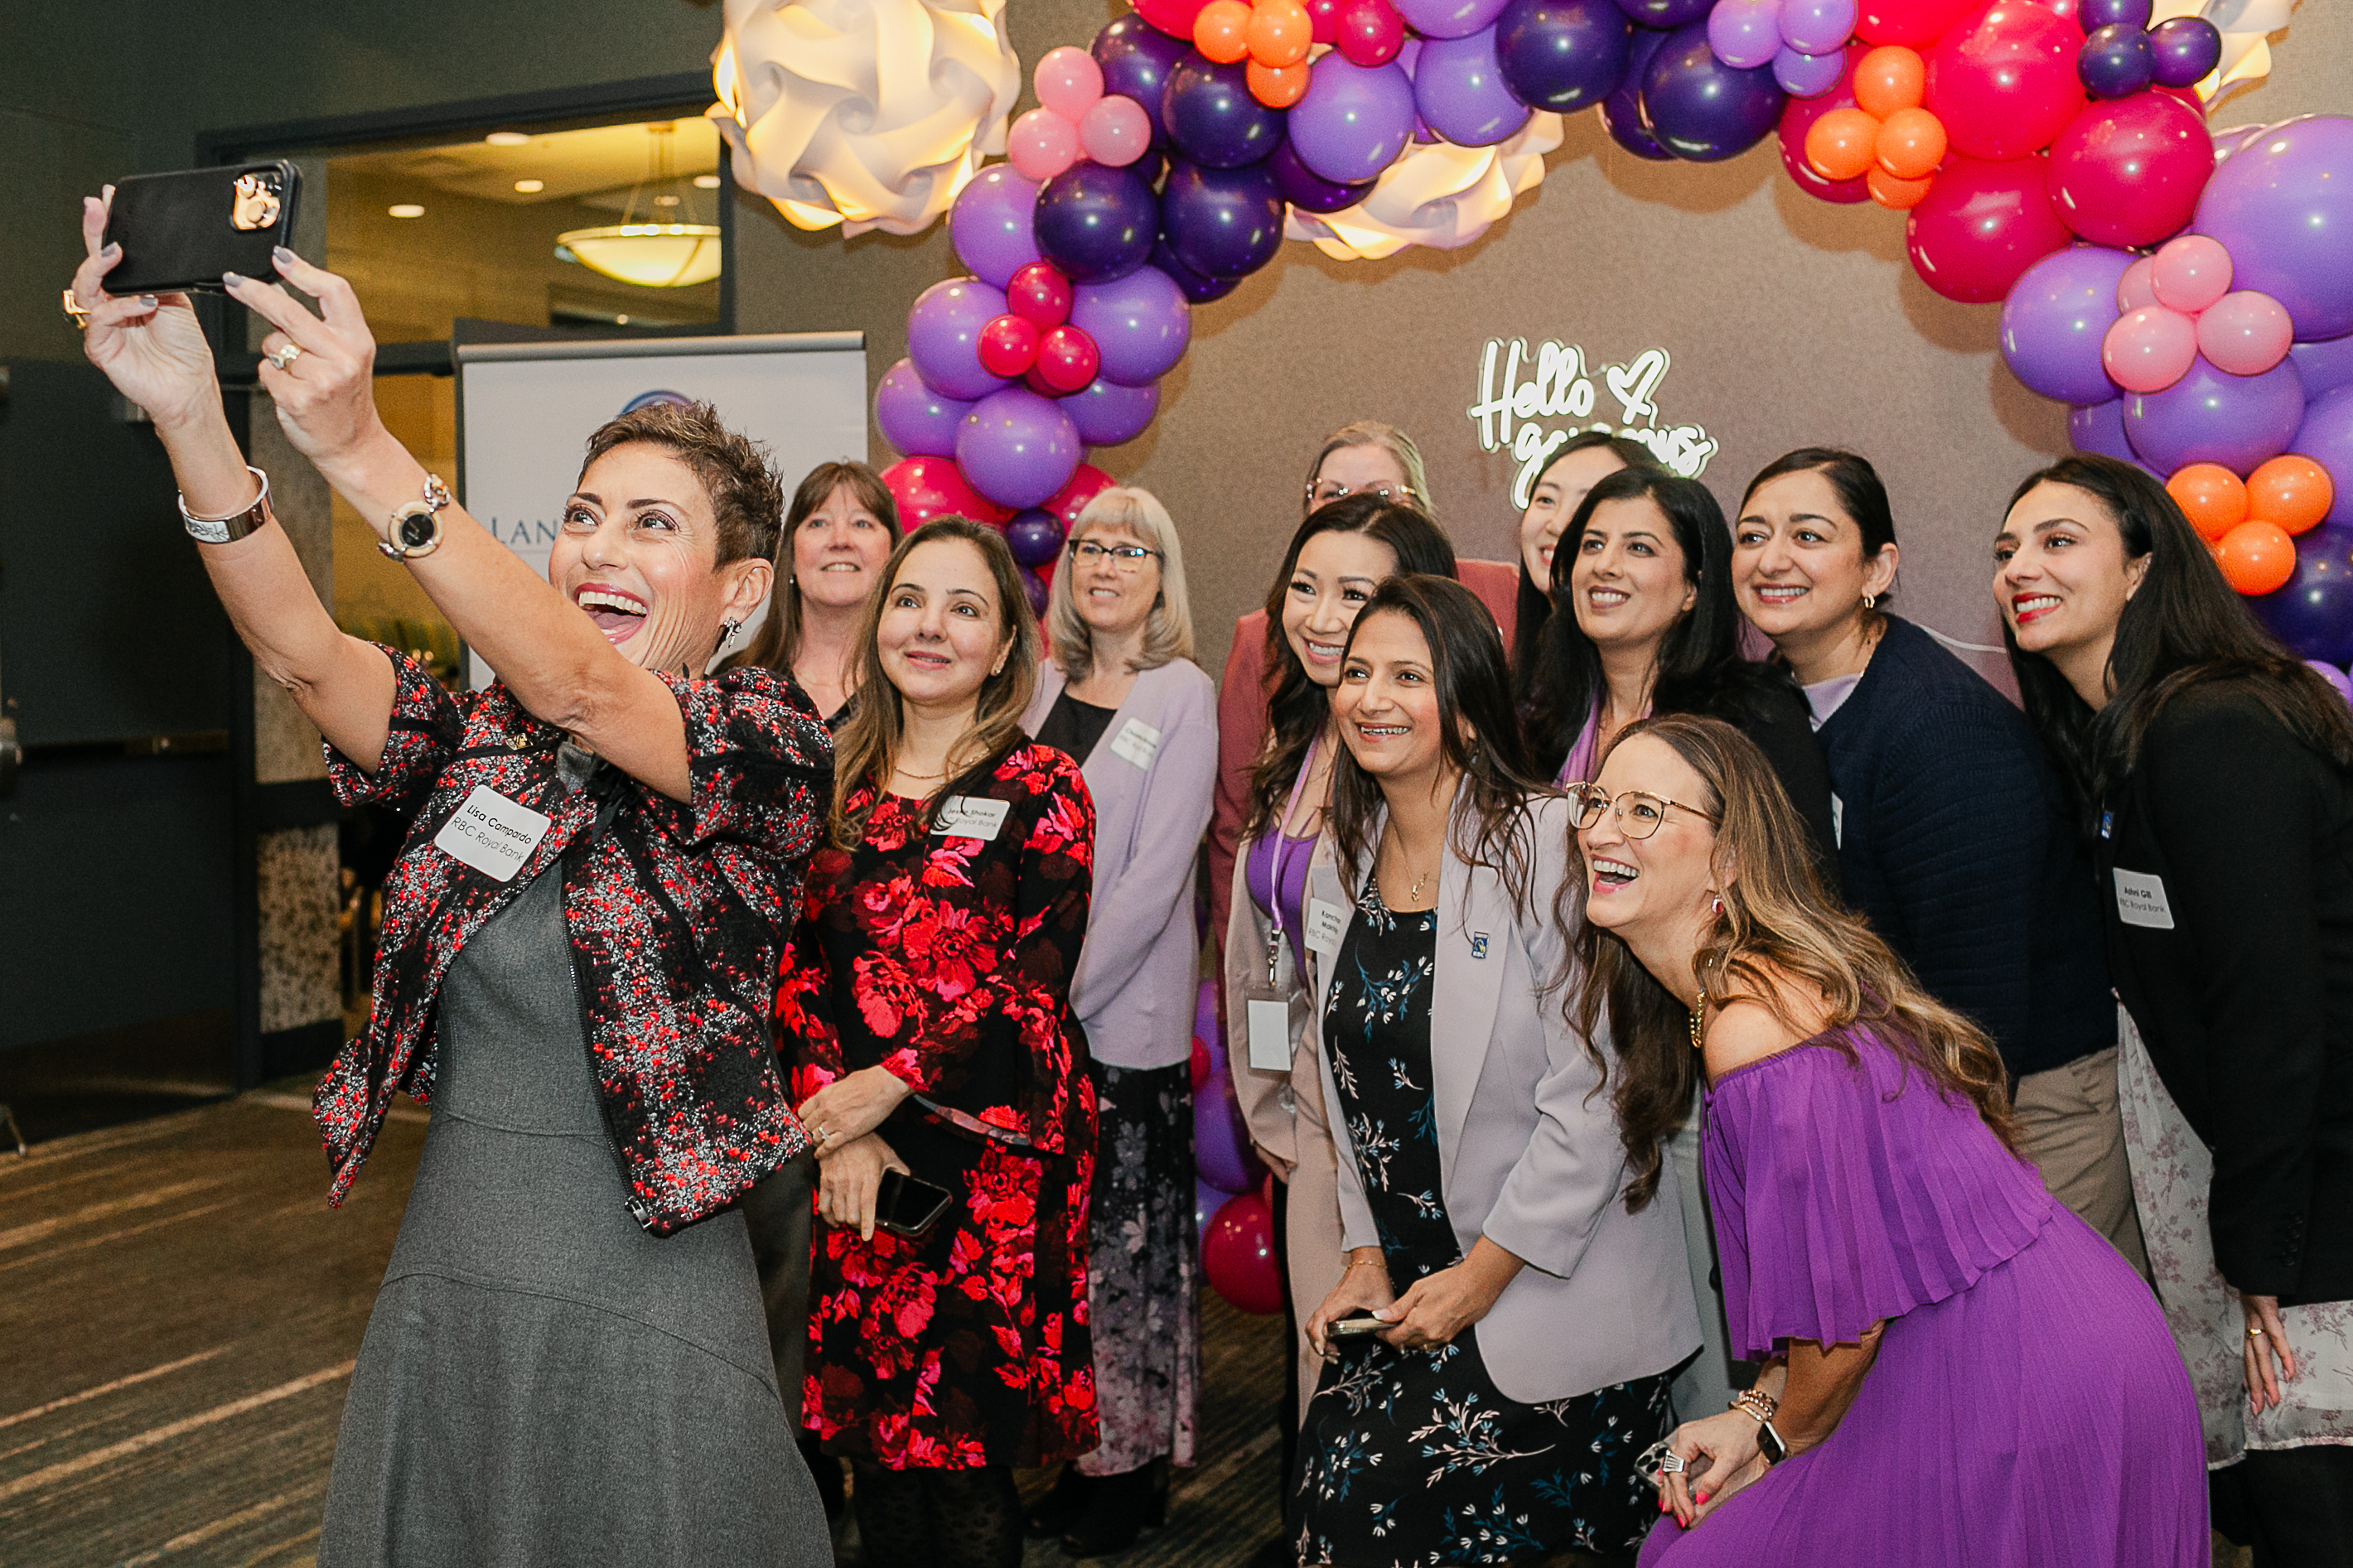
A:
<point x="543" y="1382"/>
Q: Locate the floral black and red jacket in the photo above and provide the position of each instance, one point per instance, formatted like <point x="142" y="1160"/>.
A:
<point x="678" y="913"/>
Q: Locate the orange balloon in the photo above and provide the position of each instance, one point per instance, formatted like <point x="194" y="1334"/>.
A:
<point x="2291" y="490"/>
<point x="1221" y="31"/>
<point x="1842" y="143"/>
<point x="1888" y="191"/>
<point x="1911" y="143"/>
<point x="2210" y="497"/>
<point x="1890" y="78"/>
<point x="1277" y="86"/>
<point x="2257" y="557"/>
<point x="1280" y="33"/>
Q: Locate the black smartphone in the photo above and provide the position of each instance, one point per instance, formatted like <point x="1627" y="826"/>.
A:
<point x="179" y="232"/>
<point x="1354" y="1327"/>
<point x="909" y="1205"/>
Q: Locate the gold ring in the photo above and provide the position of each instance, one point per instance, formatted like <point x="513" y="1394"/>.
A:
<point x="2255" y="1333"/>
<point x="286" y="356"/>
<point x="77" y="310"/>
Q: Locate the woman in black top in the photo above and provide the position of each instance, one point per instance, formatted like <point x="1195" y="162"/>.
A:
<point x="2217" y="777"/>
<point x="1568" y="477"/>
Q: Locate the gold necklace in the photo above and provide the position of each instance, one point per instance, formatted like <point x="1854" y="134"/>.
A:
<point x="1413" y="896"/>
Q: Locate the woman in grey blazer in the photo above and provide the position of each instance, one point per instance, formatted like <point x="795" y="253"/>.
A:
<point x="1122" y="695"/>
<point x="1499" y="1348"/>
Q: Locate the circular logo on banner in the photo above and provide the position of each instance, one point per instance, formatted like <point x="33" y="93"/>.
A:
<point x="648" y="399"/>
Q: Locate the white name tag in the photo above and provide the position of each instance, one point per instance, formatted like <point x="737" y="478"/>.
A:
<point x="1137" y="742"/>
<point x="970" y="817"/>
<point x="1325" y="925"/>
<point x="2140" y="901"/>
<point x="1270" y="1036"/>
<point x="492" y="834"/>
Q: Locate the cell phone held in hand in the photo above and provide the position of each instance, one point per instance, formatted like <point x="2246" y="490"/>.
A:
<point x="1356" y="1328"/>
<point x="909" y="1205"/>
<point x="179" y="232"/>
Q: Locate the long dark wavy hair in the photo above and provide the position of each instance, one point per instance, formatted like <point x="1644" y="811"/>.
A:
<point x="1477" y="735"/>
<point x="1700" y="669"/>
<point x="1780" y="935"/>
<point x="1296" y="706"/>
<point x="2185" y="625"/>
<point x="1535" y="600"/>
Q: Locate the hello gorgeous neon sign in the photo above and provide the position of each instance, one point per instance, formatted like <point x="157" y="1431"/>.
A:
<point x="1562" y="386"/>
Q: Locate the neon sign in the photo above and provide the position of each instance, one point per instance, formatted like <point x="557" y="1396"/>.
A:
<point x="1562" y="384"/>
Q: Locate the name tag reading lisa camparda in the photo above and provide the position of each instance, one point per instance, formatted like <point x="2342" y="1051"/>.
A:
<point x="492" y="833"/>
<point x="970" y="817"/>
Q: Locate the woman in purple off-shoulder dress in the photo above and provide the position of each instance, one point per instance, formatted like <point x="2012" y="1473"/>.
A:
<point x="1959" y="1371"/>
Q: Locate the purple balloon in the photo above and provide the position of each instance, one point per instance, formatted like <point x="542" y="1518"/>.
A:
<point x="2284" y="208"/>
<point x="1136" y="58"/>
<point x="1205" y="1022"/>
<point x="943" y="336"/>
<point x="914" y="418"/>
<point x="1563" y="54"/>
<point x="1199" y="288"/>
<point x="1139" y="323"/>
<point x="1017" y="447"/>
<point x="1666" y="15"/>
<point x="1353" y="120"/>
<point x="1308" y="191"/>
<point x="2183" y="50"/>
<point x="1703" y="109"/>
<point x="1745" y="34"/>
<point x="2116" y="61"/>
<point x="991" y="224"/>
<point x="2100" y="428"/>
<point x="1221" y="1147"/>
<point x="1817" y="26"/>
<point x="1622" y="110"/>
<point x="1458" y="89"/>
<point x="2327" y="437"/>
<point x="2324" y="366"/>
<point x="2334" y="676"/>
<point x="2209" y="417"/>
<point x="1096" y="222"/>
<point x="1107" y="414"/>
<point x="1448" y="19"/>
<point x="1035" y="587"/>
<point x="2093" y="15"/>
<point x="1212" y="118"/>
<point x="2313" y="612"/>
<point x="1223" y="223"/>
<point x="2054" y="318"/>
<point x="1808" y="76"/>
<point x="1207" y="1201"/>
<point x="1036" y="537"/>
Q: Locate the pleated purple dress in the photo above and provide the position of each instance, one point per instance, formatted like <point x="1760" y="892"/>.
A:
<point x="2027" y="1406"/>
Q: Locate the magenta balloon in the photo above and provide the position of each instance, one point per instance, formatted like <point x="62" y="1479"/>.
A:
<point x="1107" y="414"/>
<point x="1981" y="227"/>
<point x="1221" y="1147"/>
<point x="1808" y="76"/>
<point x="1745" y="34"/>
<point x="1017" y="447"/>
<point x="2127" y="170"/>
<point x="1237" y="1256"/>
<point x="2327" y="437"/>
<point x="2150" y="349"/>
<point x="2244" y="332"/>
<point x="2100" y="428"/>
<point x="2054" y="318"/>
<point x="2210" y="418"/>
<point x="943" y="336"/>
<point x="912" y="417"/>
<point x="2283" y="204"/>
<point x="2325" y="365"/>
<point x="1459" y="90"/>
<point x="1817" y="26"/>
<point x="2004" y="81"/>
<point x="1353" y="120"/>
<point x="1140" y="322"/>
<point x="991" y="224"/>
<point x="1448" y="19"/>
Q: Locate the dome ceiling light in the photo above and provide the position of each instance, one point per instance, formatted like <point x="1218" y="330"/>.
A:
<point x="659" y="243"/>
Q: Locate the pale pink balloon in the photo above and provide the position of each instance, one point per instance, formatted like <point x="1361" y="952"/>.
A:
<point x="1067" y="81"/>
<point x="1042" y="144"/>
<point x="1115" y="131"/>
<point x="2244" y="333"/>
<point x="2150" y="349"/>
<point x="2133" y="292"/>
<point x="2189" y="273"/>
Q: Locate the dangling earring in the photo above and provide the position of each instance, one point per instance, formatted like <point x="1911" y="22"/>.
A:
<point x="1714" y="902"/>
<point x="727" y="630"/>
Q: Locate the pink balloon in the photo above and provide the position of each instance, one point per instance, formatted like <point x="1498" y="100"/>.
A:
<point x="1238" y="1255"/>
<point x="2189" y="274"/>
<point x="1042" y="144"/>
<point x="1069" y="81"/>
<point x="2150" y="349"/>
<point x="2244" y="333"/>
<point x="2134" y="291"/>
<point x="1115" y="131"/>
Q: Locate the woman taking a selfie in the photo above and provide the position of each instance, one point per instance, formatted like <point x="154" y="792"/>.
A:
<point x="2217" y="774"/>
<point x="568" y="1261"/>
<point x="928" y="988"/>
<point x="841" y="526"/>
<point x="1481" y="1176"/>
<point x="1940" y="1336"/>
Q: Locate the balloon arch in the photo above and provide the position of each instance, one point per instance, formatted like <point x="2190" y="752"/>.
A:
<point x="2189" y="294"/>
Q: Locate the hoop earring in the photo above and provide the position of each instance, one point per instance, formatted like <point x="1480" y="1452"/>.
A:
<point x="1870" y="601"/>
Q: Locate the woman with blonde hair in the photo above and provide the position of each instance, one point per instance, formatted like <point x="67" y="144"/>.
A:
<point x="1120" y="693"/>
<point x="1940" y="1336"/>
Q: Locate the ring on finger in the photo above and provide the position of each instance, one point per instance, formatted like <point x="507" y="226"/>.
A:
<point x="77" y="310"/>
<point x="286" y="354"/>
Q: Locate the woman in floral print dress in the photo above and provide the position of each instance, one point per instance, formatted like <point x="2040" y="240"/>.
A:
<point x="927" y="997"/>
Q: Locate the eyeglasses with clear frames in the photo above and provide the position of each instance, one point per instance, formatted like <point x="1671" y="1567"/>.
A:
<point x="1323" y="493"/>
<point x="1123" y="557"/>
<point x="1638" y="810"/>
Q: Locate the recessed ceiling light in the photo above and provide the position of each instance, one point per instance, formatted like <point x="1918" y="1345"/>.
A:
<point x="531" y="188"/>
<point x="620" y="320"/>
<point x="507" y="139"/>
<point x="406" y="209"/>
<point x="706" y="182"/>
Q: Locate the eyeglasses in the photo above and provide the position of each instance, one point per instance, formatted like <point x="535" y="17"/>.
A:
<point x="1123" y="557"/>
<point x="1639" y="812"/>
<point x="1323" y="493"/>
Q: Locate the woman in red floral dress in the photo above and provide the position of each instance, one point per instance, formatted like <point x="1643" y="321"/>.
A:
<point x="927" y="996"/>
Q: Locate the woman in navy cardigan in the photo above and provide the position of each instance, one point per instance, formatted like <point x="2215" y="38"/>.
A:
<point x="1954" y="836"/>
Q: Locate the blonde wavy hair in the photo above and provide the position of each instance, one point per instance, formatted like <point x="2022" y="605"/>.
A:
<point x="1168" y="630"/>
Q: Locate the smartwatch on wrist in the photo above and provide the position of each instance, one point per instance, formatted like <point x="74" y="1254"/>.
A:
<point x="416" y="524"/>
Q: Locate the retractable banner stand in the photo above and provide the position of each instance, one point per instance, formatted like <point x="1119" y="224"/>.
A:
<point x="525" y="412"/>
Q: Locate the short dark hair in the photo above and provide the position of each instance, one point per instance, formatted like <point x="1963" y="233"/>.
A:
<point x="746" y="496"/>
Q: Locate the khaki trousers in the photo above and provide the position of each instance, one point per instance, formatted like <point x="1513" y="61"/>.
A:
<point x="2071" y="1129"/>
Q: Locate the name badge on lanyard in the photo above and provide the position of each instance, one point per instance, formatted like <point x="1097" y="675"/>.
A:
<point x="492" y="834"/>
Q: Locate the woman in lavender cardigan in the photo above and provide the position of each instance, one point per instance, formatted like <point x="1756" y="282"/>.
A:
<point x="1122" y="695"/>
